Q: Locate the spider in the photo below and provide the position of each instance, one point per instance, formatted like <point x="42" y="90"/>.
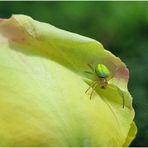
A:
<point x="103" y="75"/>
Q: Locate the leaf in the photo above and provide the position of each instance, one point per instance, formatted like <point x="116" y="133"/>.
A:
<point x="43" y="84"/>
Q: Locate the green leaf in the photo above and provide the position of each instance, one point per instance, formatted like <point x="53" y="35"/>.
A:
<point x="42" y="89"/>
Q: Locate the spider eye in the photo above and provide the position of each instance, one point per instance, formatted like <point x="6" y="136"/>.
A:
<point x="102" y="71"/>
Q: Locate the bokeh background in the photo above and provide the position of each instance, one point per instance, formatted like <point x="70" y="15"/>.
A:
<point x="122" y="27"/>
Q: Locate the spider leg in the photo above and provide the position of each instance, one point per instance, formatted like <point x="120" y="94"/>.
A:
<point x="91" y="86"/>
<point x="93" y="89"/>
<point x="88" y="72"/>
<point x="109" y="78"/>
<point x="123" y="99"/>
<point x="90" y="66"/>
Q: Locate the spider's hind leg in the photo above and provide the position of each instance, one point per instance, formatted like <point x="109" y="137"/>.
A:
<point x="122" y="95"/>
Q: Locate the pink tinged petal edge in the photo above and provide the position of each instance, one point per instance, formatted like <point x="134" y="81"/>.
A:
<point x="1" y="20"/>
<point x="15" y="33"/>
<point x="12" y="30"/>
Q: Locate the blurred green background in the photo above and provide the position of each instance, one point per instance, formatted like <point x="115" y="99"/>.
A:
<point x="122" y="27"/>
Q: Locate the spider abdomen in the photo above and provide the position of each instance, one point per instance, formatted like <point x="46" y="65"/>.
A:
<point x="102" y="71"/>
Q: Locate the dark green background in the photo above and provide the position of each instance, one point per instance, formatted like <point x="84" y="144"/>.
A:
<point x="122" y="27"/>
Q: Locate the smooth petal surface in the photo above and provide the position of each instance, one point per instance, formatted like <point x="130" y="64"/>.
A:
<point x="43" y="84"/>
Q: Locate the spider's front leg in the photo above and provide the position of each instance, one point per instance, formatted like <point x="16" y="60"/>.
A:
<point x="92" y="69"/>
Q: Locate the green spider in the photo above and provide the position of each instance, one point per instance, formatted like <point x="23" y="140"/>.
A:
<point x="103" y="75"/>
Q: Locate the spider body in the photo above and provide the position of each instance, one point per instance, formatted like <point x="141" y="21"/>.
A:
<point x="102" y="72"/>
<point x="102" y="75"/>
